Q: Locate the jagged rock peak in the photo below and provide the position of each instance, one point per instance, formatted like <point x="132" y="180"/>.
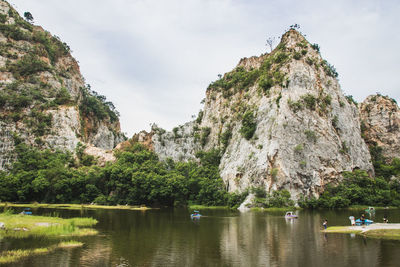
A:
<point x="280" y="121"/>
<point x="380" y="120"/>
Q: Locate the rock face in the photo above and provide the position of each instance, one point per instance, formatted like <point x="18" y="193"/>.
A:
<point x="43" y="97"/>
<point x="280" y="120"/>
<point x="380" y="119"/>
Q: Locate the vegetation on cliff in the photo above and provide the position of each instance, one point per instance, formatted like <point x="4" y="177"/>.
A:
<point x="358" y="188"/>
<point x="40" y="76"/>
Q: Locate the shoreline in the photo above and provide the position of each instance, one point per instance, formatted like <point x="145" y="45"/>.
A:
<point x="376" y="230"/>
<point x="74" y="206"/>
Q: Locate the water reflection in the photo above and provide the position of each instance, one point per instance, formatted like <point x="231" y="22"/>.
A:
<point x="220" y="238"/>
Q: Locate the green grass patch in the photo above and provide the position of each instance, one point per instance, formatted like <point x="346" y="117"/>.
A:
<point x="363" y="207"/>
<point x="341" y="229"/>
<point x="12" y="256"/>
<point x="393" y="234"/>
<point x="202" y="207"/>
<point x="70" y="244"/>
<point x="16" y="255"/>
<point x="284" y="209"/>
<point x="21" y="226"/>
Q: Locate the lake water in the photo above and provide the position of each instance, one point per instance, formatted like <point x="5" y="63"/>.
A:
<point x="168" y="237"/>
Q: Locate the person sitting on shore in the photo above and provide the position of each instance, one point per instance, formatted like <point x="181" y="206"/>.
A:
<point x="385" y="220"/>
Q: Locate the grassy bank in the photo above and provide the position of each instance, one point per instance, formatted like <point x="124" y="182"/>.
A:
<point x="341" y="230"/>
<point x="11" y="256"/>
<point x="73" y="206"/>
<point x="363" y="207"/>
<point x="202" y="207"/>
<point x="283" y="209"/>
<point x="21" y="226"/>
<point x="392" y="234"/>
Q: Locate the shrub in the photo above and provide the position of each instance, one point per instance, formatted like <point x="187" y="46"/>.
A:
<point x="311" y="135"/>
<point x="51" y="44"/>
<point x="225" y="137"/>
<point x="345" y="148"/>
<point x="351" y="100"/>
<point x="295" y="106"/>
<point x="335" y="122"/>
<point x="240" y="78"/>
<point x="280" y="57"/>
<point x="28" y="65"/>
<point x="3" y="18"/>
<point x="274" y="172"/>
<point x="176" y="134"/>
<point x="205" y="132"/>
<point x="309" y="61"/>
<point x="93" y="104"/>
<point x="303" y="164"/>
<point x="39" y="122"/>
<point x="12" y="31"/>
<point x="298" y="148"/>
<point x="62" y="97"/>
<point x="309" y="101"/>
<point x="297" y="55"/>
<point x="249" y="125"/>
<point x="199" y="117"/>
<point x="315" y="47"/>
<point x="259" y="192"/>
<point x="279" y="198"/>
<point x="329" y="69"/>
<point x="266" y="82"/>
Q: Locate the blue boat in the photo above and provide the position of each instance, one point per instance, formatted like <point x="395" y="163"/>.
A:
<point x="367" y="222"/>
<point x="27" y="211"/>
<point x="195" y="214"/>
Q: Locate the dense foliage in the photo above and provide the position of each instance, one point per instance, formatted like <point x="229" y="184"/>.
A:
<point x="93" y="104"/>
<point x="276" y="199"/>
<point x="358" y="188"/>
<point x="249" y="125"/>
<point x="136" y="178"/>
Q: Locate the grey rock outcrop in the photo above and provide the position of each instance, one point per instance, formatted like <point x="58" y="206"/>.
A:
<point x="306" y="133"/>
<point x="41" y="91"/>
<point x="380" y="118"/>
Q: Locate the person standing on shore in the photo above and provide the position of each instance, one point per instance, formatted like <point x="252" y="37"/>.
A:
<point x="325" y="224"/>
<point x="362" y="219"/>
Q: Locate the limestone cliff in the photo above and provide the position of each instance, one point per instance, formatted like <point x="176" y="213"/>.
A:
<point x="43" y="97"/>
<point x="380" y="120"/>
<point x="280" y="120"/>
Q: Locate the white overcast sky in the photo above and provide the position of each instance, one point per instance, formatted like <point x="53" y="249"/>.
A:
<point x="155" y="59"/>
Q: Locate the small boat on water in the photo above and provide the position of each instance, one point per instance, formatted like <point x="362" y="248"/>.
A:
<point x="290" y="215"/>
<point x="195" y="214"/>
<point x="367" y="222"/>
<point x="27" y="211"/>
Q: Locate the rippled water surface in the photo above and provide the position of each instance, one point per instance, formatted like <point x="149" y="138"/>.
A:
<point x="168" y="237"/>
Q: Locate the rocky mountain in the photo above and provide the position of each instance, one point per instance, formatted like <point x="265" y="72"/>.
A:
<point x="380" y="121"/>
<point x="280" y="121"/>
<point x="43" y="97"/>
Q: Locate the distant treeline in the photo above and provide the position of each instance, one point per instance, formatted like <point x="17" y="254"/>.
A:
<point x="137" y="177"/>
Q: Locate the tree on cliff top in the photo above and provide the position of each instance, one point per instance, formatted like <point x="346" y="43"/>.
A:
<point x="28" y="16"/>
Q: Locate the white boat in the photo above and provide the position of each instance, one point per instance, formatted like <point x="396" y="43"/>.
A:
<point x="290" y="215"/>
